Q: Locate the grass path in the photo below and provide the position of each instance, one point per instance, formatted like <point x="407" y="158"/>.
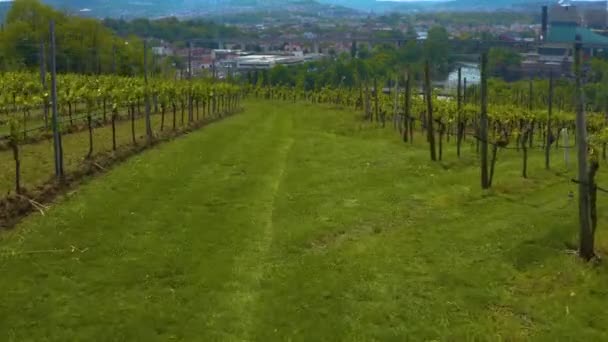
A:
<point x="301" y="223"/>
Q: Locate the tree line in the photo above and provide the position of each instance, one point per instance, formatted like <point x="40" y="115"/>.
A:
<point x="173" y="30"/>
<point x="83" y="45"/>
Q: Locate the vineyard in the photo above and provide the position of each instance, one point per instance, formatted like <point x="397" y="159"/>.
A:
<point x="349" y="199"/>
<point x="331" y="192"/>
<point x="534" y="115"/>
<point x="305" y="221"/>
<point x="146" y="197"/>
<point x="524" y="116"/>
<point x="100" y="118"/>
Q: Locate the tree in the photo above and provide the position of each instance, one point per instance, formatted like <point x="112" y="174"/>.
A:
<point x="364" y="52"/>
<point x="280" y="75"/>
<point x="503" y="63"/>
<point x="437" y="49"/>
<point x="411" y="55"/>
<point x="84" y="45"/>
<point x="383" y="59"/>
<point x="411" y="33"/>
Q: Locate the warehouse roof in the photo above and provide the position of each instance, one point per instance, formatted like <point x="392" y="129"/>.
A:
<point x="567" y="34"/>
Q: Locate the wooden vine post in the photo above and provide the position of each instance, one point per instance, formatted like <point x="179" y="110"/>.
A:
<point x="368" y="111"/>
<point x="89" y="109"/>
<point x="527" y="133"/>
<point x="189" y="99"/>
<point x="376" y="102"/>
<point x="13" y="141"/>
<point x="407" y="107"/>
<point x="464" y="91"/>
<point x="533" y="122"/>
<point x="549" y="133"/>
<point x="114" y="117"/>
<point x="483" y="122"/>
<point x="459" y="124"/>
<point x="396" y="105"/>
<point x="45" y="108"/>
<point x="149" y="133"/>
<point x="429" y="110"/>
<point x="586" y="239"/>
<point x="57" y="145"/>
<point x="133" y="139"/>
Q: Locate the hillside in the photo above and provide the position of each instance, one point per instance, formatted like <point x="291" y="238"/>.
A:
<point x="191" y="8"/>
<point x="439" y="5"/>
<point x="297" y="222"/>
<point x="163" y="8"/>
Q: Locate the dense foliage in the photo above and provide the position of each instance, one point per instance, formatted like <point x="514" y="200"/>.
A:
<point x="172" y="29"/>
<point x="101" y="102"/>
<point x="80" y="96"/>
<point x="504" y="63"/>
<point x="82" y="45"/>
<point x="517" y="110"/>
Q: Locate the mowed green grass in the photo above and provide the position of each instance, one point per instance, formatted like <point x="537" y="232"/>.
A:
<point x="296" y="222"/>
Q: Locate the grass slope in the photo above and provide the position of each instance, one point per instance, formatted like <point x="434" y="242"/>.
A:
<point x="302" y="223"/>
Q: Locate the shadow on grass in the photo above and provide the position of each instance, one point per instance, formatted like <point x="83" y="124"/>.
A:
<point x="533" y="251"/>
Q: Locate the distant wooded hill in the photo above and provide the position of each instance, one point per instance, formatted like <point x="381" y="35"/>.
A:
<point x="150" y="8"/>
<point x="452" y="5"/>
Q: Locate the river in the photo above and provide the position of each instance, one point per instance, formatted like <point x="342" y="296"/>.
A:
<point x="470" y="71"/>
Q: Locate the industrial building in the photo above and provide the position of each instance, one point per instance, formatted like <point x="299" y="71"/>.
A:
<point x="561" y="24"/>
<point x="257" y="62"/>
<point x="265" y="61"/>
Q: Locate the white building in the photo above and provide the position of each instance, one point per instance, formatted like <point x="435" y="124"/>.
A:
<point x="162" y="51"/>
<point x="309" y="35"/>
<point x="260" y="62"/>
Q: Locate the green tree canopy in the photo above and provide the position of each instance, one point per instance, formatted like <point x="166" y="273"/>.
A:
<point x="83" y="45"/>
<point x="503" y="63"/>
<point x="437" y="49"/>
